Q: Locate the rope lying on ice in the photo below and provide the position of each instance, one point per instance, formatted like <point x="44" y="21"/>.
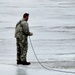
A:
<point x="43" y="65"/>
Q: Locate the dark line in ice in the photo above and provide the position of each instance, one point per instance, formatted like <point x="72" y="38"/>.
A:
<point x="65" y="54"/>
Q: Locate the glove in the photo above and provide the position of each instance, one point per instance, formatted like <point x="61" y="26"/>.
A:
<point x="30" y="34"/>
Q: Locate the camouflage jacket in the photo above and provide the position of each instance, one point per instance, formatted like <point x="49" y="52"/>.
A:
<point x="21" y="29"/>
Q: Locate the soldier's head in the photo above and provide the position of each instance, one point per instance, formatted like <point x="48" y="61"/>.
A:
<point x="26" y="16"/>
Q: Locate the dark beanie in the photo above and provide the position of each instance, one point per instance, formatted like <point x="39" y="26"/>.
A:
<point x="26" y="14"/>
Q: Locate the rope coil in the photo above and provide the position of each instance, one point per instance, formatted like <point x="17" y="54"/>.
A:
<point x="43" y="65"/>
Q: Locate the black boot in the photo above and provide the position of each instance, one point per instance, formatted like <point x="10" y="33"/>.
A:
<point x="18" y="62"/>
<point x="26" y="63"/>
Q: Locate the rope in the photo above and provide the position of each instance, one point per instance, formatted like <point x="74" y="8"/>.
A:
<point x="43" y="65"/>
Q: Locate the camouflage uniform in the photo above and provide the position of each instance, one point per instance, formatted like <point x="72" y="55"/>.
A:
<point x="21" y="34"/>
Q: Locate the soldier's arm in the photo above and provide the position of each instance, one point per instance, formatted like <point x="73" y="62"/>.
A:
<point x="26" y="29"/>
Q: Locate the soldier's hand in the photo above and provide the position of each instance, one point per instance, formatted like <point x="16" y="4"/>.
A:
<point x="30" y="34"/>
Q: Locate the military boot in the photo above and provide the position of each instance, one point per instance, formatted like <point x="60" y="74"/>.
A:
<point x="18" y="62"/>
<point x="26" y="63"/>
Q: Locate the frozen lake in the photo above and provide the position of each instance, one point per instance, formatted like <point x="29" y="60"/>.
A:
<point x="53" y="25"/>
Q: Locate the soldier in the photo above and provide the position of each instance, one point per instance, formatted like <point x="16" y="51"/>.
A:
<point x="21" y="34"/>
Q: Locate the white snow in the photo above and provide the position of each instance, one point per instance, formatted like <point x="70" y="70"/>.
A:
<point x="53" y="25"/>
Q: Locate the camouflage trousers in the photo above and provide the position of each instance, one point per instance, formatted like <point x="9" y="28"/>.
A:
<point x="22" y="47"/>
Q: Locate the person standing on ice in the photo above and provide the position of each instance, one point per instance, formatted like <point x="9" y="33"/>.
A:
<point x="21" y="34"/>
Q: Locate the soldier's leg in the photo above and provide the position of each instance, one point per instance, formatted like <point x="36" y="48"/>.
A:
<point x="18" y="49"/>
<point x="24" y="48"/>
<point x="24" y="55"/>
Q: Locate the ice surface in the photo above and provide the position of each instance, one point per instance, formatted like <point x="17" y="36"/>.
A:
<point x="53" y="25"/>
